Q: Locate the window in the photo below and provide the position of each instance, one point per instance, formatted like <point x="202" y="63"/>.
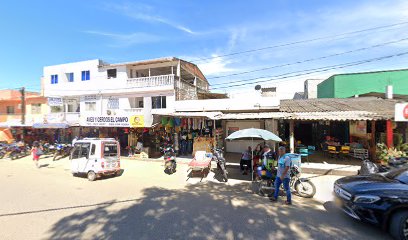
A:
<point x="93" y="148"/>
<point x="112" y="73"/>
<point x="110" y="150"/>
<point x="70" y="77"/>
<point x="54" y="79"/>
<point x="90" y="106"/>
<point x="36" y="108"/>
<point x="85" y="75"/>
<point x="10" y="109"/>
<point x="136" y="102"/>
<point x="81" y="150"/>
<point x="158" y="102"/>
<point x="56" y="109"/>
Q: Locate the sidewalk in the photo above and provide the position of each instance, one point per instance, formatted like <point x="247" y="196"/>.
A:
<point x="309" y="168"/>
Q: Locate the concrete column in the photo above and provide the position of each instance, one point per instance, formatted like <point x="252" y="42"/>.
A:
<point x="292" y="136"/>
<point x="390" y="134"/>
<point x="372" y="142"/>
<point x="149" y="72"/>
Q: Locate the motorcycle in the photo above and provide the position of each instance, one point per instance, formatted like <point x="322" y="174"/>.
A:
<point x="169" y="157"/>
<point x="62" y="150"/>
<point x="302" y="186"/>
<point x="221" y="163"/>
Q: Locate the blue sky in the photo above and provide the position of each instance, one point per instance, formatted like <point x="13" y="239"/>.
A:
<point x="39" y="33"/>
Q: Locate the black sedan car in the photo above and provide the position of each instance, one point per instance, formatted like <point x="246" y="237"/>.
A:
<point x="379" y="199"/>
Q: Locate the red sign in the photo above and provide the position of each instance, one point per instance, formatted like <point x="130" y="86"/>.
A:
<point x="405" y="112"/>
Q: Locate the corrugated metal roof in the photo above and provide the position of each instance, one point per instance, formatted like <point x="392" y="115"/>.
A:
<point x="370" y="104"/>
<point x="336" y="116"/>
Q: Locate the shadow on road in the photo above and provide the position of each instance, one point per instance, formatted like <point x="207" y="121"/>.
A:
<point x="209" y="211"/>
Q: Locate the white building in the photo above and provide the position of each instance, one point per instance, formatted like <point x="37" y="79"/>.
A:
<point x="96" y="93"/>
<point x="310" y="90"/>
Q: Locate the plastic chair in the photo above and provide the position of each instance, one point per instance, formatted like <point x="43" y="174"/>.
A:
<point x="345" y="151"/>
<point x="332" y="151"/>
<point x="304" y="152"/>
<point x="311" y="149"/>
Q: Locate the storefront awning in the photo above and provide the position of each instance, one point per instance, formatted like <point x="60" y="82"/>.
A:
<point x="209" y="115"/>
<point x="50" y="125"/>
<point x="261" y="115"/>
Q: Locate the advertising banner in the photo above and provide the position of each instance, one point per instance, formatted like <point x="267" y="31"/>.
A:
<point x="112" y="121"/>
<point x="401" y="112"/>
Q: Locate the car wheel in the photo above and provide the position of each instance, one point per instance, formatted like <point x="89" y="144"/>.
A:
<point x="91" y="176"/>
<point x="399" y="225"/>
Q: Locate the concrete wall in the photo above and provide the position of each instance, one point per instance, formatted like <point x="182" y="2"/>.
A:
<point x="238" y="146"/>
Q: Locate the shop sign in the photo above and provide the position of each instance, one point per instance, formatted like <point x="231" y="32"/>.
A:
<point x="358" y="128"/>
<point x="231" y="130"/>
<point x="401" y="112"/>
<point x="53" y="101"/>
<point x="112" y="121"/>
<point x="137" y="121"/>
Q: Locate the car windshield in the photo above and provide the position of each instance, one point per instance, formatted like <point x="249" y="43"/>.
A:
<point x="399" y="174"/>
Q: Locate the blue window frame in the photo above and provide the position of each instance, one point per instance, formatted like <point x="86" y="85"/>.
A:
<point x="85" y="75"/>
<point x="70" y="77"/>
<point x="54" y="79"/>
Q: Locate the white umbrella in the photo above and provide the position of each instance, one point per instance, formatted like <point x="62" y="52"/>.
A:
<point x="251" y="134"/>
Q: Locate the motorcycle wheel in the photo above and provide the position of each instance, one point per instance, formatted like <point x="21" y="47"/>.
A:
<point x="2" y="155"/>
<point x="224" y="173"/>
<point x="305" y="189"/>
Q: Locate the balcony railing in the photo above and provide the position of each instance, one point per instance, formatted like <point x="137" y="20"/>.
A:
<point x="152" y="81"/>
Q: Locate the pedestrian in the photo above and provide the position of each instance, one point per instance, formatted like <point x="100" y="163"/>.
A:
<point x="74" y="140"/>
<point x="36" y="152"/>
<point x="283" y="176"/>
<point x="246" y="159"/>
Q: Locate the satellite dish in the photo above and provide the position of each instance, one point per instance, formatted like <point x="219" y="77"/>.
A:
<point x="258" y="87"/>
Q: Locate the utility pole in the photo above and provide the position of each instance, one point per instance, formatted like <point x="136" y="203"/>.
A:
<point x="23" y="110"/>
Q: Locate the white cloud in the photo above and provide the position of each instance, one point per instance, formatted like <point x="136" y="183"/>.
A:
<point x="215" y="66"/>
<point x="144" y="13"/>
<point x="126" y="40"/>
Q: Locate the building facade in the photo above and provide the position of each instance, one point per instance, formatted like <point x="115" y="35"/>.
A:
<point x="96" y="93"/>
<point x="354" y="84"/>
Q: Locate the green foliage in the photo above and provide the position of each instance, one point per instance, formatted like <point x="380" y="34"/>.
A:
<point x="384" y="153"/>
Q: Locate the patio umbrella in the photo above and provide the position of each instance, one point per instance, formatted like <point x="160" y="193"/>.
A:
<point x="251" y="134"/>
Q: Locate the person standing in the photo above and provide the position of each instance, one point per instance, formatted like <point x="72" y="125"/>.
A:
<point x="246" y="160"/>
<point x="283" y="176"/>
<point x="35" y="151"/>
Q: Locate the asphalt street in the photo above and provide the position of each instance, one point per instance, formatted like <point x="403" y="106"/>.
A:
<point x="145" y="203"/>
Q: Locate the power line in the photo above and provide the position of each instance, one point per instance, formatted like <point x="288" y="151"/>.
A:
<point x="301" y="41"/>
<point x="317" y="70"/>
<point x="308" y="60"/>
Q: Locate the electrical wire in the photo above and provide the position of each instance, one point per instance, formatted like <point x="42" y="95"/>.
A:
<point x="301" y="41"/>
<point x="309" y="60"/>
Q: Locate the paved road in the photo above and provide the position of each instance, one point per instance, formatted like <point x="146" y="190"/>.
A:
<point x="144" y="203"/>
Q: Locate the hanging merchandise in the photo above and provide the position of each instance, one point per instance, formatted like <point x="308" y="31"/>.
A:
<point x="177" y="121"/>
<point x="177" y="129"/>
<point x="171" y="122"/>
<point x="189" y="121"/>
<point x="164" y="121"/>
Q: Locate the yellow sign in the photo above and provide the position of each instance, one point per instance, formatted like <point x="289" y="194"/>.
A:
<point x="136" y="121"/>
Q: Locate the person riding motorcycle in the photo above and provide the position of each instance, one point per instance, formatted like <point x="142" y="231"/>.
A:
<point x="268" y="164"/>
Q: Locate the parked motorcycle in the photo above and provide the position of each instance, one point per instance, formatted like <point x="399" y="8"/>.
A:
<point x="302" y="186"/>
<point x="218" y="157"/>
<point x="169" y="157"/>
<point x="62" y="150"/>
<point x="368" y="167"/>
